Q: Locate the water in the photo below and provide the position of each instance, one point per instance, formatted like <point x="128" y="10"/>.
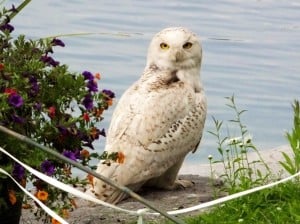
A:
<point x="251" y="49"/>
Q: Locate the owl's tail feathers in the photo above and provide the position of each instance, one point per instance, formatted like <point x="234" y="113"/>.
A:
<point x="111" y="195"/>
<point x="106" y="192"/>
<point x="116" y="197"/>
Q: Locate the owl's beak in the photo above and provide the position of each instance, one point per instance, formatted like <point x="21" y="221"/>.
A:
<point x="178" y="56"/>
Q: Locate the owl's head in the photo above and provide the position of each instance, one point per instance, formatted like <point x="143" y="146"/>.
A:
<point x="175" y="48"/>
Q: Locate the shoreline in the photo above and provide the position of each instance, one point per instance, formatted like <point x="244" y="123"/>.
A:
<point x="270" y="156"/>
<point x="202" y="191"/>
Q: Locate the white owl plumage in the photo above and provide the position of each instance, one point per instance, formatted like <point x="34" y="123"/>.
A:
<point x="158" y="120"/>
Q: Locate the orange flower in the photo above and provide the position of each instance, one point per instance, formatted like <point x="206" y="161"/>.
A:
<point x="65" y="213"/>
<point x="90" y="179"/>
<point x="54" y="221"/>
<point x="26" y="206"/>
<point x="97" y="112"/>
<point x="23" y="182"/>
<point x="109" y="102"/>
<point x="84" y="153"/>
<point x="42" y="195"/>
<point x="94" y="132"/>
<point x="121" y="157"/>
<point x="97" y="76"/>
<point x="12" y="197"/>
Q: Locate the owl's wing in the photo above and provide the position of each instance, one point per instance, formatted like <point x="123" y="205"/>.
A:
<point x="153" y="130"/>
<point x="146" y="116"/>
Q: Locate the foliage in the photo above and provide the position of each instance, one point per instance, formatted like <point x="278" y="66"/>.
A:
<point x="277" y="205"/>
<point x="42" y="99"/>
<point x="239" y="173"/>
<point x="292" y="165"/>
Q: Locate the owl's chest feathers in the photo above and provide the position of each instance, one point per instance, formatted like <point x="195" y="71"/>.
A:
<point x="157" y="79"/>
<point x="164" y="82"/>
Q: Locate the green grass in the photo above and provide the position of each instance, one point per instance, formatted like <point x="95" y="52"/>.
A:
<point x="280" y="204"/>
<point x="277" y="205"/>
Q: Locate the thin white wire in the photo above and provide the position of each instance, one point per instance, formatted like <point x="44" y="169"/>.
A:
<point x="142" y="212"/>
<point x="230" y="197"/>
<point x="43" y="206"/>
<point x="65" y="187"/>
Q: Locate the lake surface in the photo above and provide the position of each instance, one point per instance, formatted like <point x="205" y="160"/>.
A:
<point x="251" y="49"/>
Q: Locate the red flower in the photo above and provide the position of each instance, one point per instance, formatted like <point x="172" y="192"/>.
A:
<point x="10" y="91"/>
<point x="1" y="66"/>
<point x="86" y="117"/>
<point x="51" y="111"/>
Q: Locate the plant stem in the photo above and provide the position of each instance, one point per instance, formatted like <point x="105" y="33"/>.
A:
<point x="18" y="9"/>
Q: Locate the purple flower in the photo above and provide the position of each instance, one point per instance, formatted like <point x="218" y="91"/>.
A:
<point x="48" y="168"/>
<point x="37" y="106"/>
<point x="15" y="100"/>
<point x="34" y="86"/>
<point x="95" y="132"/>
<point x="88" y="76"/>
<point x="77" y="154"/>
<point x="69" y="154"/>
<point x="17" y="119"/>
<point x="89" y="144"/>
<point x="108" y="93"/>
<point x="102" y="132"/>
<point x="88" y="102"/>
<point x="7" y="27"/>
<point x="57" y="42"/>
<point x="87" y="141"/>
<point x="92" y="86"/>
<point x="49" y="60"/>
<point x="32" y="80"/>
<point x="18" y="172"/>
<point x="63" y="130"/>
<point x="49" y="50"/>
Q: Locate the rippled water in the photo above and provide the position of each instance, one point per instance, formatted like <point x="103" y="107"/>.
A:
<point x="251" y="49"/>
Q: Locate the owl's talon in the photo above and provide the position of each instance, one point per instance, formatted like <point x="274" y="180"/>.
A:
<point x="183" y="184"/>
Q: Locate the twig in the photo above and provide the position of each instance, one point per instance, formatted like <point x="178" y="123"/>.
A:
<point x="18" y="9"/>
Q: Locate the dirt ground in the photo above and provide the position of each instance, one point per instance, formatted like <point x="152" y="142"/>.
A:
<point x="88" y="213"/>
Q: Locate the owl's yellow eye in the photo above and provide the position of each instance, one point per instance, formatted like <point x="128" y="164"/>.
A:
<point x="164" y="46"/>
<point x="187" y="45"/>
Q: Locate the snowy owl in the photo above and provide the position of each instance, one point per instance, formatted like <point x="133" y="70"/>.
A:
<point x="158" y="120"/>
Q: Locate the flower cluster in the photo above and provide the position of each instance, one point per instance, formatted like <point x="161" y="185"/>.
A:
<point x="42" y="99"/>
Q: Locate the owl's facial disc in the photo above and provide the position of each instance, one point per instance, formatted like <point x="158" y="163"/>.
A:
<point x="175" y="48"/>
